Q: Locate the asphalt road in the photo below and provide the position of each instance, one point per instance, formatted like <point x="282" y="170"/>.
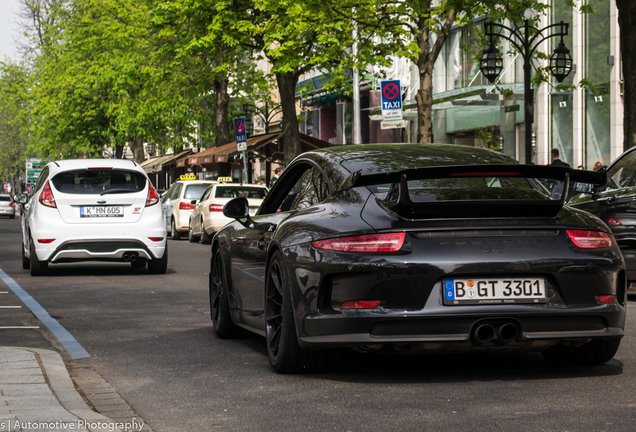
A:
<point x="150" y="337"/>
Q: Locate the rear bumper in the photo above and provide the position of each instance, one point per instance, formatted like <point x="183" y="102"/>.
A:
<point x="106" y="242"/>
<point x="7" y="211"/>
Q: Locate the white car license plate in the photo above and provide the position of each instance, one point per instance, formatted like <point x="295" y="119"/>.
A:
<point x="101" y="211"/>
<point x="494" y="291"/>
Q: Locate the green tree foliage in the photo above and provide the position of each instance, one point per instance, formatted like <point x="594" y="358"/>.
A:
<point x="14" y="115"/>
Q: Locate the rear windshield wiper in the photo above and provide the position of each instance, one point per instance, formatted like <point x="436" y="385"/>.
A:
<point x="113" y="191"/>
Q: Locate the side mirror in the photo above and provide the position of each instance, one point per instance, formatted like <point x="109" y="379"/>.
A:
<point x="237" y="208"/>
<point x="21" y="198"/>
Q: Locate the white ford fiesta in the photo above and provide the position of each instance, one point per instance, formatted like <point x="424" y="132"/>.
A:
<point x="93" y="209"/>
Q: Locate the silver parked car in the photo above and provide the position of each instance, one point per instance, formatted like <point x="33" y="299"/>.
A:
<point x="7" y="206"/>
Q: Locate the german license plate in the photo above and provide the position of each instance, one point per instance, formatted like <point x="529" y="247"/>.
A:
<point x="494" y="291"/>
<point x="101" y="211"/>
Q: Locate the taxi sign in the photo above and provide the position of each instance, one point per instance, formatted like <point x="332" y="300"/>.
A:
<point x="187" y="177"/>
<point x="224" y="179"/>
<point x="391" y="100"/>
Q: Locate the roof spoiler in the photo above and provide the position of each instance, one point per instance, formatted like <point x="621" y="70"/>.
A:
<point x="399" y="201"/>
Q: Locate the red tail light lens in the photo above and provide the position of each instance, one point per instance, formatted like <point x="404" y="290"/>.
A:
<point x="186" y="206"/>
<point x="10" y="204"/>
<point x="46" y="241"/>
<point x="360" y="304"/>
<point x="216" y="207"/>
<point x="46" y="197"/>
<point x="391" y="242"/>
<point x="153" y="196"/>
<point x="607" y="299"/>
<point x="591" y="239"/>
<point x="613" y="221"/>
<point x="156" y="239"/>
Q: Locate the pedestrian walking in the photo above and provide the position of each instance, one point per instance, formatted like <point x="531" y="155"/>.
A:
<point x="274" y="179"/>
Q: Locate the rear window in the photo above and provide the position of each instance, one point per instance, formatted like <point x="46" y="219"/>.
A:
<point x="240" y="191"/>
<point x="478" y="188"/>
<point x="5" y="198"/>
<point x="85" y="181"/>
<point x="195" y="191"/>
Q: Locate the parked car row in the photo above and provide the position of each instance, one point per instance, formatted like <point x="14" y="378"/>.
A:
<point x="195" y="207"/>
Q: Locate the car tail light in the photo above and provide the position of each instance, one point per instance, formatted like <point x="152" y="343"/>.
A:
<point x="607" y="299"/>
<point x="216" y="207"/>
<point x="186" y="206"/>
<point x="46" y="241"/>
<point x="153" y="196"/>
<point x="156" y="239"/>
<point x="360" y="304"/>
<point x="46" y="197"/>
<point x="391" y="242"/>
<point x="591" y="239"/>
<point x="10" y="204"/>
<point x="613" y="221"/>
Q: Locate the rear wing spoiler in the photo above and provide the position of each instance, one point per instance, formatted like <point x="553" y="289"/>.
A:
<point x="399" y="200"/>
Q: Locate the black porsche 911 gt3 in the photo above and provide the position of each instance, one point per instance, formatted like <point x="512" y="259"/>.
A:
<point x="405" y="247"/>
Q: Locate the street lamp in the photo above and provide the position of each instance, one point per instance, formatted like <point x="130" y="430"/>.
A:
<point x="526" y="39"/>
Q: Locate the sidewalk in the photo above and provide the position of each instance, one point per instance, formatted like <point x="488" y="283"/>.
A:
<point x="37" y="394"/>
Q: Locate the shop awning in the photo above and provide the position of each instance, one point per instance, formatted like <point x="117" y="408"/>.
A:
<point x="159" y="162"/>
<point x="273" y="141"/>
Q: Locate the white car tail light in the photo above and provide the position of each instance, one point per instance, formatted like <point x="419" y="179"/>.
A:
<point x="46" y="197"/>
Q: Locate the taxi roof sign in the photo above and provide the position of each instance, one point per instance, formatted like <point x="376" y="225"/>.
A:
<point x="224" y="179"/>
<point x="187" y="177"/>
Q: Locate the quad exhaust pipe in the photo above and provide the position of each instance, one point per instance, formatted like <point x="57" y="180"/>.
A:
<point x="499" y="333"/>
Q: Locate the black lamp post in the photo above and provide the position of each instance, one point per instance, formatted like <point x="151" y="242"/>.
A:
<point x="526" y="39"/>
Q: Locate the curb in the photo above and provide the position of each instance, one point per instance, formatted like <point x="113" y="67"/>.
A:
<point x="61" y="386"/>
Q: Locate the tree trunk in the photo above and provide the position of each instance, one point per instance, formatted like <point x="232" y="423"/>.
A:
<point x="137" y="147"/>
<point x="627" y="23"/>
<point x="221" y="119"/>
<point x="291" y="134"/>
<point x="424" y="96"/>
<point x="119" y="151"/>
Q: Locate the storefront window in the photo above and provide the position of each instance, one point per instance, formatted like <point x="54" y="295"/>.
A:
<point x="597" y="99"/>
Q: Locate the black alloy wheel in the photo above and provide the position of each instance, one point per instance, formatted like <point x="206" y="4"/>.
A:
<point x="173" y="230"/>
<point x="222" y="322"/>
<point x="37" y="267"/>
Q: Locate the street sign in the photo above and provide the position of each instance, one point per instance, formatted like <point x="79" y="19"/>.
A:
<point x="240" y="134"/>
<point x="34" y="167"/>
<point x="391" y="100"/>
<point x="393" y="124"/>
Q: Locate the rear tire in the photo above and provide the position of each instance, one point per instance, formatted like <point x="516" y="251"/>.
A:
<point x="205" y="237"/>
<point x="175" y="235"/>
<point x="222" y="322"/>
<point x="25" y="260"/>
<point x="284" y="352"/>
<point x="595" y="352"/>
<point x="37" y="267"/>
<point x="159" y="265"/>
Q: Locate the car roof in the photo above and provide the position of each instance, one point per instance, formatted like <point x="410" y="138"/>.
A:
<point x="378" y="158"/>
<point x="210" y="182"/>
<point x="70" y="164"/>
<point x="243" y="185"/>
